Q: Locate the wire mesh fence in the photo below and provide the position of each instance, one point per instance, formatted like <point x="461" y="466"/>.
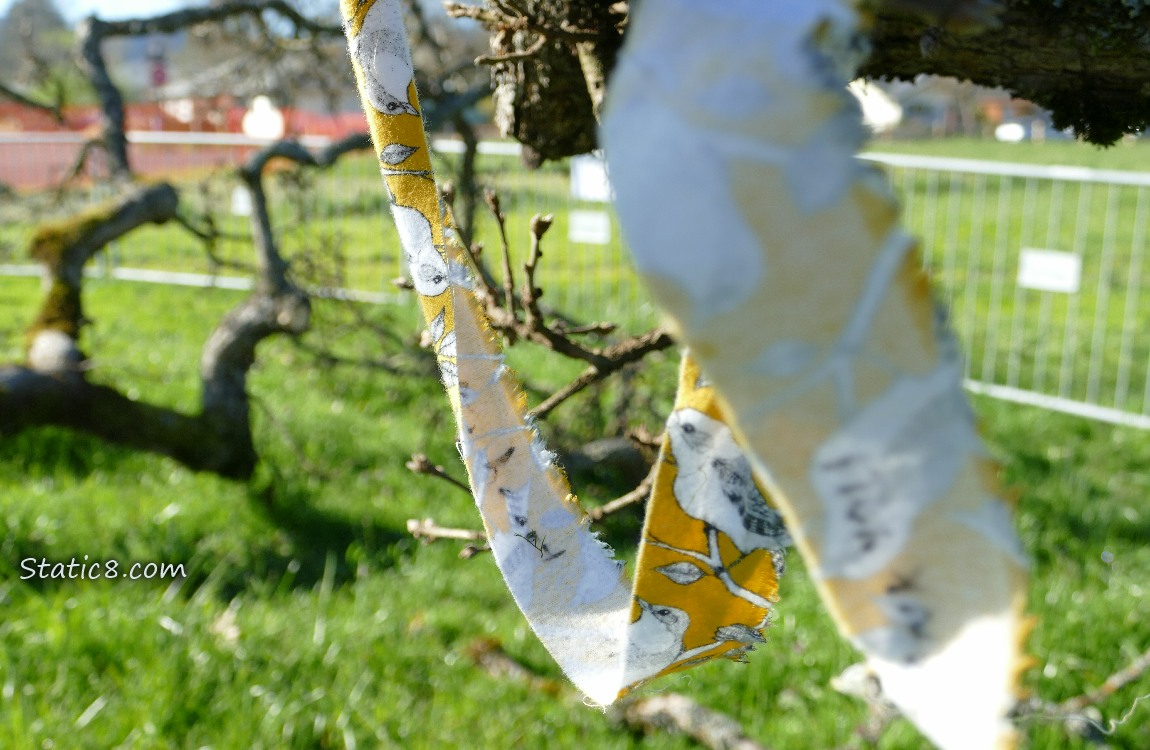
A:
<point x="1042" y="267"/>
<point x="1043" y="270"/>
<point x="333" y="223"/>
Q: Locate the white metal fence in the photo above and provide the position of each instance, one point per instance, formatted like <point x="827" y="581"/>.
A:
<point x="1043" y="267"/>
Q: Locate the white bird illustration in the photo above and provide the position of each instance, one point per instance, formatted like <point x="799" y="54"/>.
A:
<point x="427" y="267"/>
<point x="381" y="50"/>
<point x="714" y="483"/>
<point x="655" y="640"/>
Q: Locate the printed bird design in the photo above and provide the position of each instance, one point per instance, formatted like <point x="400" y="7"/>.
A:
<point x="714" y="483"/>
<point x="381" y="50"/>
<point x="655" y="640"/>
<point x="427" y="267"/>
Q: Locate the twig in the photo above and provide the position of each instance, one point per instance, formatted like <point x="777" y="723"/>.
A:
<point x="79" y="163"/>
<point x="188" y="17"/>
<point x="489" y="293"/>
<point x="54" y="108"/>
<point x="1080" y="714"/>
<point x="645" y="437"/>
<point x="421" y="464"/>
<point x="492" y="199"/>
<point x="531" y="293"/>
<point x="678" y="713"/>
<point x="471" y="550"/>
<point x="427" y="531"/>
<point x="612" y="359"/>
<point x="670" y="712"/>
<point x="634" y="497"/>
<point x="492" y="58"/>
<point x="603" y="328"/>
<point x="1111" y="685"/>
<point x="474" y="12"/>
<point x="506" y="16"/>
<point x="210" y="236"/>
<point x="488" y="654"/>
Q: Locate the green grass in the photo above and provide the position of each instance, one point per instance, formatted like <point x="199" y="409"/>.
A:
<point x="309" y="619"/>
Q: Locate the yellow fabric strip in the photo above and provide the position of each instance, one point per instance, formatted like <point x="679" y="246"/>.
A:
<point x="707" y="575"/>
<point x="778" y="259"/>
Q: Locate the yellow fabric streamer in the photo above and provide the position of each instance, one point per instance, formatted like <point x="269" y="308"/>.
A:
<point x="777" y="257"/>
<point x="712" y="546"/>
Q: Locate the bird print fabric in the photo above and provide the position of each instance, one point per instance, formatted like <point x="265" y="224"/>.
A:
<point x="777" y="259"/>
<point x="705" y="583"/>
<point x="712" y="545"/>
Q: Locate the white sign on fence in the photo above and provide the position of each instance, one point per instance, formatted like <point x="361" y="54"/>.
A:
<point x="589" y="178"/>
<point x="241" y="201"/>
<point x="589" y="227"/>
<point x="1049" y="270"/>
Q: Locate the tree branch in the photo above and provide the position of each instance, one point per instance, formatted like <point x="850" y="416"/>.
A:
<point x="614" y="357"/>
<point x="65" y="247"/>
<point x="90" y="41"/>
<point x="634" y="497"/>
<point x="1111" y="685"/>
<point x="52" y="108"/>
<point x="53" y="389"/>
<point x="421" y="464"/>
<point x="670" y="712"/>
<point x="427" y="531"/>
<point x="678" y="713"/>
<point x="168" y="23"/>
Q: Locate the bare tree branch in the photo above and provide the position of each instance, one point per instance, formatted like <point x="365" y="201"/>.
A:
<point x="89" y="40"/>
<point x="55" y="108"/>
<point x="184" y="18"/>
<point x="613" y="359"/>
<point x="53" y="389"/>
<point x="65" y="247"/>
<point x="421" y="464"/>
<point x="30" y="398"/>
<point x="426" y="530"/>
<point x="634" y="497"/>
<point x="1115" y="682"/>
<point x="678" y="713"/>
<point x="670" y="712"/>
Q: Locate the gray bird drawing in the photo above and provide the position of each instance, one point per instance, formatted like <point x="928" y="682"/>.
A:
<point x="655" y="640"/>
<point x="381" y="51"/>
<point x="714" y="483"/>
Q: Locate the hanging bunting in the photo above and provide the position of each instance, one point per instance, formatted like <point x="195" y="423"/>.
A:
<point x="777" y="258"/>
<point x="712" y="545"/>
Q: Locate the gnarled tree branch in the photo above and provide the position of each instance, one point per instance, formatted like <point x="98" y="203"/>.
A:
<point x="54" y="388"/>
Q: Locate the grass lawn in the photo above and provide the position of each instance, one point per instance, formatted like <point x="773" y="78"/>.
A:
<point x="309" y="619"/>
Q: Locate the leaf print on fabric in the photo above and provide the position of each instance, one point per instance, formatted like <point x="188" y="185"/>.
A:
<point x="396" y="153"/>
<point x="682" y="573"/>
